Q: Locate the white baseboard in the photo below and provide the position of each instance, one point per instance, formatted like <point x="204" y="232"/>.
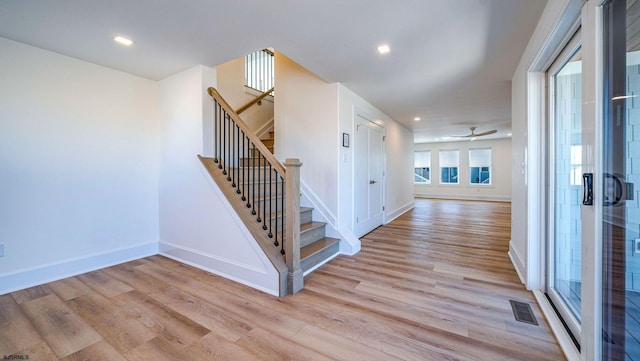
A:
<point x="230" y="269"/>
<point x="310" y="199"/>
<point x="517" y="262"/>
<point x="349" y="243"/>
<point x="391" y="216"/>
<point x="464" y="197"/>
<point x="56" y="271"/>
<point x="561" y="334"/>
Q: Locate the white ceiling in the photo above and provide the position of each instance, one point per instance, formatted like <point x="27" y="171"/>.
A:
<point x="450" y="64"/>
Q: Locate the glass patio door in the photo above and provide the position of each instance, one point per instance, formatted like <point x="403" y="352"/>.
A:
<point x="621" y="174"/>
<point x="564" y="276"/>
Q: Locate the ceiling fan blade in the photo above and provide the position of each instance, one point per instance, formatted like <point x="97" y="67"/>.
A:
<point x="486" y="133"/>
<point x="463" y="136"/>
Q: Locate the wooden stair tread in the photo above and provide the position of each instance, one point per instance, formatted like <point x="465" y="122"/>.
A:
<point x="306" y="227"/>
<point x="317" y="246"/>
<point x="311" y="225"/>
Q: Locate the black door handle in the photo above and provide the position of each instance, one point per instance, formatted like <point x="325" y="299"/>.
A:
<point x="587" y="189"/>
<point x="613" y="190"/>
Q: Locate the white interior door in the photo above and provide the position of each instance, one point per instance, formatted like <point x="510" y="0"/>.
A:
<point x="369" y="162"/>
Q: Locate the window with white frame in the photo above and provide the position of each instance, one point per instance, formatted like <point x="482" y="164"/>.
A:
<point x="449" y="163"/>
<point x="422" y="167"/>
<point x="480" y="166"/>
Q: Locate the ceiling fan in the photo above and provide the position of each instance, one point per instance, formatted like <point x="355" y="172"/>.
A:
<point x="474" y="134"/>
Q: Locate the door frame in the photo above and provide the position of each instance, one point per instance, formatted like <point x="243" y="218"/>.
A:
<point x="574" y="45"/>
<point x="357" y="112"/>
<point x="588" y="15"/>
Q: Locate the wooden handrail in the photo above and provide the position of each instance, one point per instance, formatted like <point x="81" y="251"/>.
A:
<point x="247" y="131"/>
<point x="268" y="52"/>
<point x="252" y="102"/>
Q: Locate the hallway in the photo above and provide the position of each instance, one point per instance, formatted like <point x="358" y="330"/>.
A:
<point x="443" y="267"/>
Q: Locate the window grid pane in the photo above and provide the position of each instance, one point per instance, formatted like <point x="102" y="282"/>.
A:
<point x="449" y="162"/>
<point x="422" y="167"/>
<point x="480" y="166"/>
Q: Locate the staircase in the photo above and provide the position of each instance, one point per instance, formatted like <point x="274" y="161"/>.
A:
<point x="316" y="248"/>
<point x="266" y="196"/>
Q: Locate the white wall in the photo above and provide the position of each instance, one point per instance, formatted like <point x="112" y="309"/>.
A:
<point x="398" y="147"/>
<point x="230" y="84"/>
<point x="525" y="147"/>
<point x="310" y="117"/>
<point x="197" y="225"/>
<point x="306" y="127"/>
<point x="78" y="166"/>
<point x="498" y="190"/>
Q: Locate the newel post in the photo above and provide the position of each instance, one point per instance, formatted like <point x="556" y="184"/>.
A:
<point x="292" y="244"/>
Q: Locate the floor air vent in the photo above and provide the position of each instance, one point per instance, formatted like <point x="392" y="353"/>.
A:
<point x="523" y="313"/>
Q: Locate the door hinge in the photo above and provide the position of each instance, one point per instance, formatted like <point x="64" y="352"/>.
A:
<point x="357" y="220"/>
<point x="383" y="208"/>
<point x="384" y="137"/>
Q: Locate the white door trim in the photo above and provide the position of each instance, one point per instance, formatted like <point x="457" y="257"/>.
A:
<point x="360" y="114"/>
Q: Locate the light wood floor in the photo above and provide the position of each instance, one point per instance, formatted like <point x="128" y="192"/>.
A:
<point x="432" y="285"/>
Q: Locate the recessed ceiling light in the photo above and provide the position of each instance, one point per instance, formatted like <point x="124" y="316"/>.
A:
<point x="417" y="119"/>
<point x="508" y="135"/>
<point x="383" y="49"/>
<point x="122" y="40"/>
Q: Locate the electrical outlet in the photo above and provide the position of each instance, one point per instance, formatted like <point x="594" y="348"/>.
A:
<point x="1" y="249"/>
<point x="636" y="246"/>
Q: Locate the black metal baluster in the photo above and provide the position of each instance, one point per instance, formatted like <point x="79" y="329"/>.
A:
<point x="275" y="241"/>
<point x="243" y="179"/>
<point x="220" y="136"/>
<point x="228" y="155"/>
<point x="271" y="199"/>
<point x="224" y="142"/>
<point x="215" y="130"/>
<point x="253" y="179"/>
<point x="248" y="173"/>
<point x="264" y="208"/>
<point x="260" y="205"/>
<point x="233" y="153"/>
<point x="247" y="169"/>
<point x="238" y="191"/>
<point x="272" y="210"/>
